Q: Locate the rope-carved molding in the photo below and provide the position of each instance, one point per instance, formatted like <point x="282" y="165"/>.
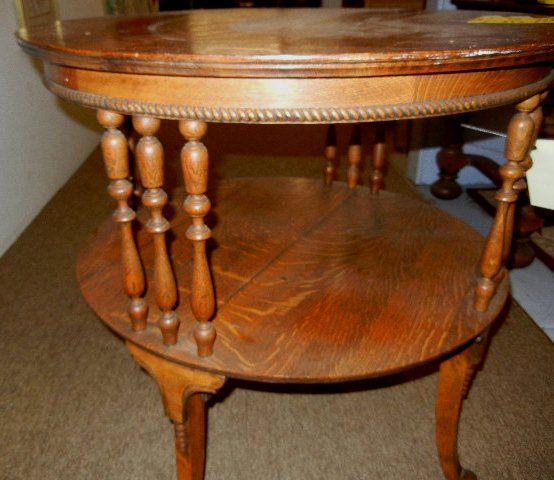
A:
<point x="371" y="113"/>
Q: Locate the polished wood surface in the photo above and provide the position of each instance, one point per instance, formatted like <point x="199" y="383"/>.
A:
<point x="351" y="285"/>
<point x="304" y="280"/>
<point x="297" y="100"/>
<point x="290" y="43"/>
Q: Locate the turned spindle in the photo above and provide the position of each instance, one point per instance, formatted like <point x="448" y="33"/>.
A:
<point x="116" y="160"/>
<point x="194" y="161"/>
<point x="521" y="134"/>
<point x="354" y="156"/>
<point x="330" y="153"/>
<point x="379" y="160"/>
<point x="132" y="142"/>
<point x="149" y="157"/>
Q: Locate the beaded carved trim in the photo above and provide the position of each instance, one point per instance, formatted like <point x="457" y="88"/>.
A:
<point x="371" y="113"/>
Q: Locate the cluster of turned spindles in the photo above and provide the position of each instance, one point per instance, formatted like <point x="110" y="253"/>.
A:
<point x="149" y="166"/>
<point x="116" y="160"/>
<point x="194" y="162"/>
<point x="522" y="132"/>
<point x="354" y="155"/>
<point x="149" y="158"/>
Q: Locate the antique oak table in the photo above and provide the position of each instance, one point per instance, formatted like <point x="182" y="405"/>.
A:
<point x="307" y="283"/>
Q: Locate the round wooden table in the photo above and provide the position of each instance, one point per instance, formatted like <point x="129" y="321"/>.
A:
<point x="307" y="282"/>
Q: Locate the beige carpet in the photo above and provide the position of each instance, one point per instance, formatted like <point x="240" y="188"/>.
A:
<point x="73" y="405"/>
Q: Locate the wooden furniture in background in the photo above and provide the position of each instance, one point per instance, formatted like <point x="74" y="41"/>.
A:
<point x="451" y="159"/>
<point x="308" y="282"/>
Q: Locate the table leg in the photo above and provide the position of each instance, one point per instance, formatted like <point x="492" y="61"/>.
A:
<point x="182" y="391"/>
<point x="455" y="377"/>
<point x="450" y="160"/>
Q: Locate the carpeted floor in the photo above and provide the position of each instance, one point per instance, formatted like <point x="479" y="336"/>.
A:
<point x="73" y="404"/>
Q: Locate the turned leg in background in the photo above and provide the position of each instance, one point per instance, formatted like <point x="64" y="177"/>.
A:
<point x="450" y="160"/>
<point x="379" y="160"/>
<point x="354" y="156"/>
<point x="330" y="153"/>
<point x="183" y="392"/>
<point x="455" y="377"/>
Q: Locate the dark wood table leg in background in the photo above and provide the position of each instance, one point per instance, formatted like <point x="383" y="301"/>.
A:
<point x="451" y="159"/>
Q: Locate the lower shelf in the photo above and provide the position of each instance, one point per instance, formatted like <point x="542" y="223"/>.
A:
<point x="313" y="283"/>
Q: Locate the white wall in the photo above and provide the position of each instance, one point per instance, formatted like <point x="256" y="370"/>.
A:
<point x="42" y="140"/>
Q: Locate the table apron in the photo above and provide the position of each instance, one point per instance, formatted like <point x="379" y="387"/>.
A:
<point x="297" y="100"/>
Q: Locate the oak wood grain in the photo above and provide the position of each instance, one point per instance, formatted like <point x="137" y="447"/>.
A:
<point x="352" y="285"/>
<point x="297" y="100"/>
<point x="290" y="43"/>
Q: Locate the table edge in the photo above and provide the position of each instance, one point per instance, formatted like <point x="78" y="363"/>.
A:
<point x="313" y="115"/>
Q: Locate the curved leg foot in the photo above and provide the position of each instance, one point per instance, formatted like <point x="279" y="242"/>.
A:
<point x="183" y="392"/>
<point x="468" y="475"/>
<point x="455" y="377"/>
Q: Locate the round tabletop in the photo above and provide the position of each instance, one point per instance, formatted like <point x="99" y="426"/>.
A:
<point x="291" y="43"/>
<point x="293" y="66"/>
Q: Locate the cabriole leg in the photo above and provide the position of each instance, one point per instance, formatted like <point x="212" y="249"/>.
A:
<point x="182" y="392"/>
<point x="455" y="377"/>
<point x="521" y="136"/>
